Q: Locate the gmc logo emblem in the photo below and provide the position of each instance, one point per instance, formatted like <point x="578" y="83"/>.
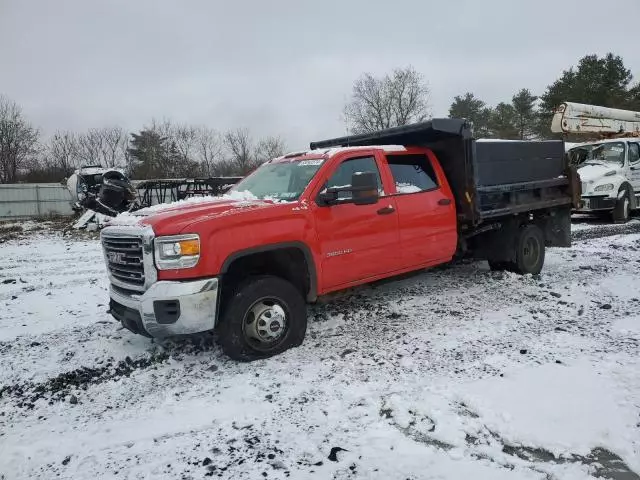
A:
<point x="116" y="257"/>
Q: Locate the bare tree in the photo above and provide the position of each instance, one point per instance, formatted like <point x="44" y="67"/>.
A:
<point x="62" y="152"/>
<point x="399" y="98"/>
<point x="268" y="148"/>
<point x="184" y="138"/>
<point x="240" y="147"/>
<point x="89" y="147"/>
<point x="208" y="150"/>
<point x="18" y="140"/>
<point x="102" y="146"/>
<point x="164" y="127"/>
<point x="114" y="141"/>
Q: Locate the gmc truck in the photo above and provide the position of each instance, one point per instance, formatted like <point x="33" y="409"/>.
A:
<point x="347" y="212"/>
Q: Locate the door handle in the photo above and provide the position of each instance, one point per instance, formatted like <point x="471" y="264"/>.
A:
<point x="386" y="210"/>
<point x="444" y="201"/>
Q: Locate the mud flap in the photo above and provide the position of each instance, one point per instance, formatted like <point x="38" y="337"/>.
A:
<point x="557" y="227"/>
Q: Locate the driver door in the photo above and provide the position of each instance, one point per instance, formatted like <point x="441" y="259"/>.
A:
<point x="634" y="166"/>
<point x="357" y="242"/>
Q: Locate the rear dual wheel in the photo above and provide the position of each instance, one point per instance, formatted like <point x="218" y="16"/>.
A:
<point x="529" y="252"/>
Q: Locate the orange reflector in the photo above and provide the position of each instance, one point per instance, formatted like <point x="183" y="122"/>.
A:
<point x="189" y="247"/>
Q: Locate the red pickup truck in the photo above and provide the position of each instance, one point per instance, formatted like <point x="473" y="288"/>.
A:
<point x="347" y="212"/>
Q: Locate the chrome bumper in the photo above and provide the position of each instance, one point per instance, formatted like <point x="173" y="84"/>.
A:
<point x="197" y="299"/>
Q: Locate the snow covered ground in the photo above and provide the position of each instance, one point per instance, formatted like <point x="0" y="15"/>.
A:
<point x="456" y="373"/>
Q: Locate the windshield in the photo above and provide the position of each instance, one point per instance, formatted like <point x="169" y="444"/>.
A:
<point x="598" y="153"/>
<point x="282" y="180"/>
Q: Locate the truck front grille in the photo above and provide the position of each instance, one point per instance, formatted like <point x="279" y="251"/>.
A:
<point x="124" y="259"/>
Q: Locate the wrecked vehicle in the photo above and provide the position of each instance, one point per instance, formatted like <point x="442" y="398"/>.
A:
<point x="348" y="212"/>
<point x="103" y="190"/>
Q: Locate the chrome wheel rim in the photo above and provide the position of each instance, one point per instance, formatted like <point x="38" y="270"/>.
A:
<point x="265" y="323"/>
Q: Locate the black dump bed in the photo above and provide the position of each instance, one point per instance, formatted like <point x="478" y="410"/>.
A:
<point x="489" y="178"/>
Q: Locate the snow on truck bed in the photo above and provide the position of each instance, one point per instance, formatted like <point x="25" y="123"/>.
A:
<point x="456" y="373"/>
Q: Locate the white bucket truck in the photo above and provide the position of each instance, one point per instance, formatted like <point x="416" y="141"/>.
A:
<point x="609" y="167"/>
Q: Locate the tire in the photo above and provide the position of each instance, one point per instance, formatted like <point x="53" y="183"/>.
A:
<point x="622" y="211"/>
<point x="530" y="250"/>
<point x="251" y="325"/>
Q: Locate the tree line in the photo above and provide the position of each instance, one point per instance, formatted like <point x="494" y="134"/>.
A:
<point x="165" y="149"/>
<point x="403" y="97"/>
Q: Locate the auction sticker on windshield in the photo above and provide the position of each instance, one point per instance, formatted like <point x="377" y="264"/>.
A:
<point x="304" y="163"/>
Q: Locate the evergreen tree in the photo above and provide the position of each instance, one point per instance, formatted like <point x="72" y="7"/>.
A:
<point x="524" y="106"/>
<point x="149" y="152"/>
<point x="634" y="98"/>
<point x="503" y="122"/>
<point x="474" y="110"/>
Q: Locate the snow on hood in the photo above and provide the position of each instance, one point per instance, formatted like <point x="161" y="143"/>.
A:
<point x="592" y="172"/>
<point x="132" y="218"/>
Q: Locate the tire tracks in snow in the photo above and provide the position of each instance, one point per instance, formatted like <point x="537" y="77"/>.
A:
<point x="605" y="230"/>
<point x="60" y="386"/>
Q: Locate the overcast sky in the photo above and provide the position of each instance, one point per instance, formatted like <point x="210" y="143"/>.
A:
<point x="285" y="67"/>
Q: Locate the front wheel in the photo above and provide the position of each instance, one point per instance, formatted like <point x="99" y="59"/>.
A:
<point x="622" y="210"/>
<point x="262" y="317"/>
<point x="530" y="250"/>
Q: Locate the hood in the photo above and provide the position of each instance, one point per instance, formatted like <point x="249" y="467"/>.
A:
<point x="173" y="218"/>
<point x="590" y="173"/>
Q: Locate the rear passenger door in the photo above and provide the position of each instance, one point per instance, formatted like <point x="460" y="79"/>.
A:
<point x="426" y="212"/>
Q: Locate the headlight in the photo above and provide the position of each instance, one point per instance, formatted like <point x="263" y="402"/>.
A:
<point x="177" y="251"/>
<point x="604" y="188"/>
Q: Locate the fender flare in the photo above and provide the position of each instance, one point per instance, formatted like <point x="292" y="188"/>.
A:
<point x="312" y="294"/>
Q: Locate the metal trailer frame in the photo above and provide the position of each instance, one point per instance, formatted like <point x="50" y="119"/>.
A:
<point x="164" y="190"/>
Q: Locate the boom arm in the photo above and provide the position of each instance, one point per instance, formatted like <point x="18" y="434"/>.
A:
<point x="578" y="118"/>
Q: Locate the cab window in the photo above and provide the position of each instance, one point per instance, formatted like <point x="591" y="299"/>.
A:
<point x="342" y="176"/>
<point x="412" y="173"/>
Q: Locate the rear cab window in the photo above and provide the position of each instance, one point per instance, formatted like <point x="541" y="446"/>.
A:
<point x="412" y="173"/>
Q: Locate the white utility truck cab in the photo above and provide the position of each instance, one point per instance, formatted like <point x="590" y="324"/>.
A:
<point x="609" y="168"/>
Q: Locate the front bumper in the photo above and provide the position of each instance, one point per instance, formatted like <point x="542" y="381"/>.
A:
<point x="167" y="308"/>
<point x="596" y="203"/>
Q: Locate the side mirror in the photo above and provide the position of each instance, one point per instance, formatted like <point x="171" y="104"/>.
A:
<point x="363" y="190"/>
<point x="328" y="196"/>
<point x="364" y="187"/>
